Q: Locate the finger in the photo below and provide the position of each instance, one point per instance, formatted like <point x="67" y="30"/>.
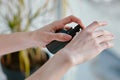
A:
<point x="102" y="32"/>
<point x="106" y="45"/>
<point x="70" y="19"/>
<point x="95" y="25"/>
<point x="61" y="37"/>
<point x="67" y="27"/>
<point x="102" y="39"/>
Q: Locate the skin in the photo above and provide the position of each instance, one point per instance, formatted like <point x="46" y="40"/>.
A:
<point x="84" y="46"/>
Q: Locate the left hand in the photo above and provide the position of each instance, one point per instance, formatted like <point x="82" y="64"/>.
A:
<point x="88" y="43"/>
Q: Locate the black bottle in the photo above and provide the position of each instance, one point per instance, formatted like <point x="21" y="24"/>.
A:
<point x="55" y="46"/>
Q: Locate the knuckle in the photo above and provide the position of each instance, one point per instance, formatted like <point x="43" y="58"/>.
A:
<point x="107" y="45"/>
<point x="103" y="31"/>
<point x="56" y="36"/>
<point x="95" y="42"/>
<point x="64" y="36"/>
<point x="72" y="16"/>
<point x="96" y="22"/>
<point x="97" y="47"/>
<point x="60" y="36"/>
<point x="103" y="37"/>
<point x="90" y="34"/>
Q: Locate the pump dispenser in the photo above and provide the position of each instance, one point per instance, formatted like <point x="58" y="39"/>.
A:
<point x="55" y="45"/>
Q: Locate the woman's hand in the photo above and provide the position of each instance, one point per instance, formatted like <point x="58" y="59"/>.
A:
<point x="47" y="34"/>
<point x="84" y="46"/>
<point x="88" y="43"/>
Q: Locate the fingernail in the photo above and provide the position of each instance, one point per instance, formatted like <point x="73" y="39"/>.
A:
<point x="67" y="37"/>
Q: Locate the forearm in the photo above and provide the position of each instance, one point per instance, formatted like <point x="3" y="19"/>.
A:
<point x="16" y="41"/>
<point x="54" y="69"/>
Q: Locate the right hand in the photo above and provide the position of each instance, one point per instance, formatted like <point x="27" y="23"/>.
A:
<point x="46" y="34"/>
<point x="88" y="43"/>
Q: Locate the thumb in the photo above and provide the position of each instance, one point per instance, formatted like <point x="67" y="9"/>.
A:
<point x="61" y="37"/>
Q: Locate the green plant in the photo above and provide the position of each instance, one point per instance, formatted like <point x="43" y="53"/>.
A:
<point x="19" y="18"/>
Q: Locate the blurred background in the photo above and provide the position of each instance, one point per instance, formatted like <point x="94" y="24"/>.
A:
<point x="27" y="15"/>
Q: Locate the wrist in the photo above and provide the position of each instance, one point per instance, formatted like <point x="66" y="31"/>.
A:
<point x="30" y="36"/>
<point x="65" y="56"/>
<point x="34" y="38"/>
<point x="72" y="57"/>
